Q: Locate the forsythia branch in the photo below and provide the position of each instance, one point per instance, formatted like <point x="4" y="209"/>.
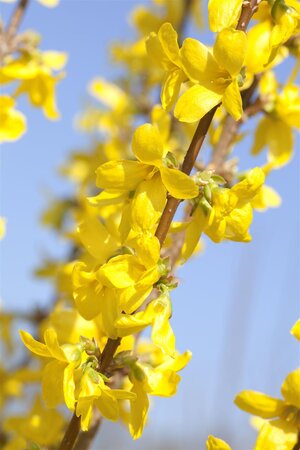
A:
<point x="248" y="9"/>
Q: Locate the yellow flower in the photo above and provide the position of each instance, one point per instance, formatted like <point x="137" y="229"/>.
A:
<point x="228" y="215"/>
<point x="12" y="122"/>
<point x="217" y="76"/>
<point x="35" y="73"/>
<point x="157" y="314"/>
<point x="148" y="147"/>
<point x="58" y="381"/>
<point x="163" y="48"/>
<point x="161" y="380"/>
<point x="41" y="425"/>
<point x="286" y="15"/>
<point x="282" y="430"/>
<point x="94" y="392"/>
<point x="214" y="443"/>
<point x="275" y="129"/>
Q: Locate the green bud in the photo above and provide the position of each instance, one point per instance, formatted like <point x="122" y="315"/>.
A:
<point x="218" y="179"/>
<point x="138" y="372"/>
<point x="204" y="176"/>
<point x="92" y="362"/>
<point x="207" y="193"/>
<point x="34" y="446"/>
<point x="125" y="358"/>
<point x="279" y="8"/>
<point x="206" y="207"/>
<point x="94" y="376"/>
<point x="164" y="266"/>
<point x="170" y="160"/>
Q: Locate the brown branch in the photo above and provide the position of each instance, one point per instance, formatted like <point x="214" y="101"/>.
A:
<point x="71" y="434"/>
<point x="16" y="20"/>
<point x="86" y="438"/>
<point x="297" y="445"/>
<point x="8" y="38"/>
<point x="248" y="10"/>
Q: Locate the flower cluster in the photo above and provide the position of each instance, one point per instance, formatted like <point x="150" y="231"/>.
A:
<point x="88" y="352"/>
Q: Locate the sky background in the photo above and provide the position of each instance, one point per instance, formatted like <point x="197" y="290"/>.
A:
<point x="236" y="302"/>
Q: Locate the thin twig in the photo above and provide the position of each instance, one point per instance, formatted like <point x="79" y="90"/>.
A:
<point x="187" y="166"/>
<point x="16" y="20"/>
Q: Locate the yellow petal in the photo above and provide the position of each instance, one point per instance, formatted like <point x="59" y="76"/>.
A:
<point x="214" y="443"/>
<point x="120" y="271"/>
<point x="121" y="394"/>
<point x="12" y="122"/>
<point x="156" y="52"/>
<point x="96" y="239"/>
<point x="230" y="50"/>
<point x="162" y="120"/>
<point x="108" y="93"/>
<point x="232" y="100"/>
<point x="84" y="410"/>
<point x="168" y="38"/>
<point x="278" y="137"/>
<point x="52" y="344"/>
<point x="171" y="87"/>
<point x="34" y="346"/>
<point x="258" y="47"/>
<point x="238" y="223"/>
<point x="246" y="189"/>
<point x="52" y="383"/>
<point x="194" y="231"/>
<point x="129" y="324"/>
<point x="223" y="14"/>
<point x="69" y="386"/>
<point x="266" y="197"/>
<point x="147" y="144"/>
<point x="49" y="3"/>
<point x="55" y="60"/>
<point x="148" y="204"/>
<point x="276" y="434"/>
<point x="259" y="404"/>
<point x="291" y="388"/>
<point x="195" y="103"/>
<point x="108" y="406"/>
<point x="87" y="291"/>
<point x="162" y="334"/>
<point x="198" y="63"/>
<point x="178" y="183"/>
<point x="296" y="330"/>
<point x="138" y="410"/>
<point x="121" y="175"/>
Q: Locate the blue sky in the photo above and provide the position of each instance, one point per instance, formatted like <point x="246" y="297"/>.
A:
<point x="236" y="302"/>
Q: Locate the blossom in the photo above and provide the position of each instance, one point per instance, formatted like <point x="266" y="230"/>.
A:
<point x="214" y="443"/>
<point x="12" y="122"/>
<point x="216" y="76"/>
<point x="282" y="429"/>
